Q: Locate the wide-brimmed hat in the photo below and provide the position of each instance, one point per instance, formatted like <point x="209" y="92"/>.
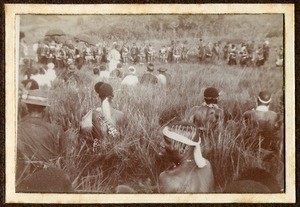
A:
<point x="104" y="90"/>
<point x="264" y="97"/>
<point x="162" y="70"/>
<point x="132" y="70"/>
<point x="150" y="67"/>
<point x="36" y="97"/>
<point x="211" y="92"/>
<point x="72" y="68"/>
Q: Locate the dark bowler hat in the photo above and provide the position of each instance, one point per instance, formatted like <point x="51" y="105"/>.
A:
<point x="264" y="97"/>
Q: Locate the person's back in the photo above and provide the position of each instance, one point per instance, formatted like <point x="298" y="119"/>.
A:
<point x="149" y="78"/>
<point x="39" y="140"/>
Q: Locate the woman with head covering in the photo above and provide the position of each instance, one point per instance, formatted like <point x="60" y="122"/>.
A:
<point x="131" y="79"/>
<point x="163" y="77"/>
<point x="104" y="120"/>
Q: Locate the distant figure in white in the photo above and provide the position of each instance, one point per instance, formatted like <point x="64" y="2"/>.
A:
<point x="47" y="78"/>
<point x="114" y="57"/>
<point x="163" y="77"/>
<point x="131" y="79"/>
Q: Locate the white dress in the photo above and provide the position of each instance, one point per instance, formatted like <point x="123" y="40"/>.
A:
<point x="130" y="80"/>
<point x="114" y="58"/>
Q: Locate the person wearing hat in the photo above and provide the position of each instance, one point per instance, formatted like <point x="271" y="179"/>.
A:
<point x="131" y="79"/>
<point x="208" y="115"/>
<point x="149" y="77"/>
<point x="118" y="72"/>
<point x="103" y="121"/>
<point x="39" y="143"/>
<point x="192" y="173"/>
<point x="163" y="77"/>
<point x="266" y="120"/>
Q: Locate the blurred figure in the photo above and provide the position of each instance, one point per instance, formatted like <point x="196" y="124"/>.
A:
<point x="279" y="61"/>
<point x="114" y="58"/>
<point x="149" y="77"/>
<point x="232" y="55"/>
<point x="208" y="115"/>
<point x="163" y="77"/>
<point x="266" y="50"/>
<point x="131" y="79"/>
<point x="23" y="53"/>
<point x="104" y="74"/>
<point x="267" y="121"/>
<point x="118" y="72"/>
<point x="40" y="143"/>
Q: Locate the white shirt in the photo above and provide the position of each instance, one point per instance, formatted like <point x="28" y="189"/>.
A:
<point x="262" y="108"/>
<point x="162" y="79"/>
<point x="104" y="75"/>
<point x="130" y="80"/>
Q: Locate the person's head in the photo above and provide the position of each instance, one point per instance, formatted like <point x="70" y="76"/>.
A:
<point x="96" y="71"/>
<point x="211" y="95"/>
<point x="182" y="141"/>
<point x="116" y="73"/>
<point x="72" y="68"/>
<point x="102" y="68"/>
<point x="35" y="100"/>
<point x="30" y="84"/>
<point x="264" y="98"/>
<point x="150" y="67"/>
<point x="104" y="90"/>
<point x="119" y="65"/>
<point x="131" y="70"/>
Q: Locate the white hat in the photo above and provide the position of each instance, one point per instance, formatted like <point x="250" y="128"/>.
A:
<point x="132" y="70"/>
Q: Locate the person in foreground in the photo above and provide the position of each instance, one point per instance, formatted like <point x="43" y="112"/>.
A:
<point x="191" y="172"/>
<point x="40" y="144"/>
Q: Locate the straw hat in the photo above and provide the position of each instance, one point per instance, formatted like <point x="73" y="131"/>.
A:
<point x="36" y="97"/>
<point x="132" y="70"/>
<point x="162" y="70"/>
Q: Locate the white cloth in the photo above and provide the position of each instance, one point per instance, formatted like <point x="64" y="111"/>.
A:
<point x="262" y="108"/>
<point x="130" y="80"/>
<point x="104" y="75"/>
<point x="200" y="161"/>
<point x="114" y="58"/>
<point x="162" y="79"/>
<point x="45" y="79"/>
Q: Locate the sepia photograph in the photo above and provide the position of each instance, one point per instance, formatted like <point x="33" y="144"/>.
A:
<point x="157" y="103"/>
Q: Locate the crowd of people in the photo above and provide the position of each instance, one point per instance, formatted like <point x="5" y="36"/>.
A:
<point x="40" y="142"/>
<point x="82" y="52"/>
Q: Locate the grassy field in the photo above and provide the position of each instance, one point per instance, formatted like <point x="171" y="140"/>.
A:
<point x="134" y="157"/>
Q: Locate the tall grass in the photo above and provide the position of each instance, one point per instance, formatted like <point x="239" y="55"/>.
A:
<point x="134" y="156"/>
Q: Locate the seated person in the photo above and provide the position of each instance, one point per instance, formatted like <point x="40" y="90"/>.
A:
<point x="131" y="79"/>
<point x="208" y="115"/>
<point x="39" y="143"/>
<point x="266" y="120"/>
<point x="192" y="173"/>
<point x="104" y="120"/>
<point x="149" y="77"/>
<point x="163" y="77"/>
